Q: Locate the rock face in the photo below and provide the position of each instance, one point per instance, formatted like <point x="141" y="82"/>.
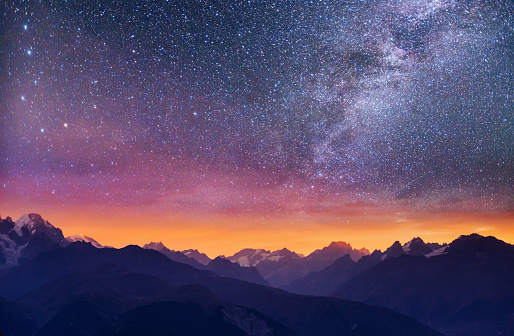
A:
<point x="27" y="237"/>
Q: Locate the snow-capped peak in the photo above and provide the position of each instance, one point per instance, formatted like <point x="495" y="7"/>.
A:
<point x="21" y="222"/>
<point x="76" y="238"/>
<point x="31" y="221"/>
<point x="406" y="247"/>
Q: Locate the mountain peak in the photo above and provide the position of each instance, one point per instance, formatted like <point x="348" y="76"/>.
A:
<point x="75" y="237"/>
<point x="285" y="252"/>
<point x="417" y="247"/>
<point x="155" y="246"/>
<point x="417" y="240"/>
<point x="478" y="244"/>
<point x="202" y="258"/>
<point x="32" y="222"/>
<point x="340" y="245"/>
<point x="393" y="251"/>
<point x="469" y="238"/>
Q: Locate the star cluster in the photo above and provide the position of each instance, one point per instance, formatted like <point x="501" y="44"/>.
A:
<point x="260" y="107"/>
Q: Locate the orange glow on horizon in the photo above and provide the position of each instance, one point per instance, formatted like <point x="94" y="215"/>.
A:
<point x="225" y="235"/>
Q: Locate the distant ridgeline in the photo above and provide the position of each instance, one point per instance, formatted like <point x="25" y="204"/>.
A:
<point x="51" y="285"/>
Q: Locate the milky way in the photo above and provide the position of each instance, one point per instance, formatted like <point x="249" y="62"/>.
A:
<point x="259" y="106"/>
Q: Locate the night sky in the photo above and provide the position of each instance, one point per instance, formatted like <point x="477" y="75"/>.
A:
<point x="220" y="125"/>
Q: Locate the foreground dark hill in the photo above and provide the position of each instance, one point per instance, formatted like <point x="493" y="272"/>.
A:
<point x="84" y="257"/>
<point x="311" y="315"/>
<point x="111" y="301"/>
<point x="82" y="290"/>
<point x="469" y="290"/>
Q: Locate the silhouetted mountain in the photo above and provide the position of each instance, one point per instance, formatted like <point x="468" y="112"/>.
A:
<point x="226" y="268"/>
<point x="393" y="251"/>
<point x="415" y="247"/>
<point x="174" y="255"/>
<point x="80" y="256"/>
<point x="202" y="258"/>
<point x="453" y="292"/>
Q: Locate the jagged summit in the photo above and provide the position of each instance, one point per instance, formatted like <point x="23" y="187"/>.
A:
<point x="416" y="247"/>
<point x="252" y="257"/>
<point x="469" y="238"/>
<point x="202" y="258"/>
<point x="155" y="246"/>
<point x="340" y="244"/>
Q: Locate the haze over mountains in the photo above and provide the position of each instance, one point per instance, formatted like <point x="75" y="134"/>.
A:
<point x="51" y="285"/>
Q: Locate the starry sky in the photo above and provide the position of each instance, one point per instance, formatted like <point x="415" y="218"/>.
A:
<point x="220" y="125"/>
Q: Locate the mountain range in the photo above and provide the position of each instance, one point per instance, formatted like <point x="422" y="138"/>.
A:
<point x="51" y="285"/>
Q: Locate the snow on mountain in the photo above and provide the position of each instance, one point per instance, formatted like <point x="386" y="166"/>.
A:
<point x="252" y="257"/>
<point x="31" y="222"/>
<point x="415" y="247"/>
<point x="76" y="238"/>
<point x="202" y="258"/>
<point x="249" y="257"/>
<point x="283" y="266"/>
<point x="243" y="261"/>
<point x="439" y="251"/>
<point x="406" y="247"/>
<point x="27" y="237"/>
<point x="393" y="251"/>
